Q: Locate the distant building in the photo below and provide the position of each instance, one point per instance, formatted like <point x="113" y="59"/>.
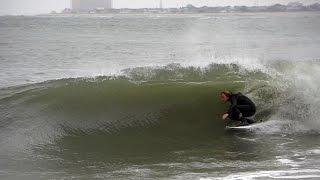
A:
<point x="90" y="4"/>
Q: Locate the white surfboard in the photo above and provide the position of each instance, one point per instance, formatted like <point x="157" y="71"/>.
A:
<point x="242" y="128"/>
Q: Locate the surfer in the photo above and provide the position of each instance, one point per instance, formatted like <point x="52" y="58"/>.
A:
<point x="240" y="109"/>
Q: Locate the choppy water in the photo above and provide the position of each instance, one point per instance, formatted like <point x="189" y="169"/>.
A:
<point x="136" y="96"/>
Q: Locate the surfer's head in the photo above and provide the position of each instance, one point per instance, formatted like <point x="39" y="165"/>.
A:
<point x="225" y="95"/>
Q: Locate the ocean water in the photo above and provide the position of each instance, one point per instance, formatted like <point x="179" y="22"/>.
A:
<point x="136" y="96"/>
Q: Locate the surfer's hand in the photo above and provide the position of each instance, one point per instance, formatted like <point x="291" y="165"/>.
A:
<point x="225" y="116"/>
<point x="240" y="115"/>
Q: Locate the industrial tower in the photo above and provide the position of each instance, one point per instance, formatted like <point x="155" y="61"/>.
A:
<point x="90" y="4"/>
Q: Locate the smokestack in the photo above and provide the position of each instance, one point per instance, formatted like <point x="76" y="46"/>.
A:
<point x="160" y="6"/>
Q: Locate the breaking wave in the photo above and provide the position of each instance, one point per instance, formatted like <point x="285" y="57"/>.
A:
<point x="158" y="105"/>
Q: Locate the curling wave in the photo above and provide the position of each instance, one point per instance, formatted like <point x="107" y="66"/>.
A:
<point x="159" y="105"/>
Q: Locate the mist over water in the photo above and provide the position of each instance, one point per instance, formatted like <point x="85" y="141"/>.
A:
<point x="119" y="96"/>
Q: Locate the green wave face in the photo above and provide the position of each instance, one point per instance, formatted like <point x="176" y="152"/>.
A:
<point x="124" y="116"/>
<point x="146" y="110"/>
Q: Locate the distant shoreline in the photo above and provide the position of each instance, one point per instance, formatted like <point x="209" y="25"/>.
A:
<point x="190" y="9"/>
<point x="88" y="14"/>
<point x="230" y="13"/>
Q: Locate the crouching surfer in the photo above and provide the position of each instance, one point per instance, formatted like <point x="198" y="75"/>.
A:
<point x="240" y="109"/>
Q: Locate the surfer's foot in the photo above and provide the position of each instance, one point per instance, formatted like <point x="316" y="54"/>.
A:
<point x="245" y="121"/>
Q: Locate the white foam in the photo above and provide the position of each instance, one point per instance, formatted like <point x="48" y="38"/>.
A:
<point x="280" y="126"/>
<point x="299" y="88"/>
<point x="314" y="151"/>
<point x="281" y="174"/>
<point x="288" y="162"/>
<point x="268" y="127"/>
<point x="304" y="104"/>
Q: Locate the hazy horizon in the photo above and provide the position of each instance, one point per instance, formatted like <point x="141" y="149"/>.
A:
<point x="20" y="7"/>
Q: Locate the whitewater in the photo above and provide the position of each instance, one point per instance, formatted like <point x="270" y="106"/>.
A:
<point x="137" y="96"/>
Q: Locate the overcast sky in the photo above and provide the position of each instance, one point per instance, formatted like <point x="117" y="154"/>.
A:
<point x="45" y="6"/>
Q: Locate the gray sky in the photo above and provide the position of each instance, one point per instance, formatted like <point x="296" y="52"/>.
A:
<point x="45" y="6"/>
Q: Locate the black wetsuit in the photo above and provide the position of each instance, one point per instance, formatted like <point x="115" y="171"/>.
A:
<point x="241" y="104"/>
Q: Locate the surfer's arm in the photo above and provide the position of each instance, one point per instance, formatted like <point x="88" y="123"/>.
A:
<point x="233" y="101"/>
<point x="233" y="105"/>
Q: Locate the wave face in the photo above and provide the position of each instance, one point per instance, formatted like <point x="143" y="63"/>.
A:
<point x="164" y="102"/>
<point x="160" y="102"/>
